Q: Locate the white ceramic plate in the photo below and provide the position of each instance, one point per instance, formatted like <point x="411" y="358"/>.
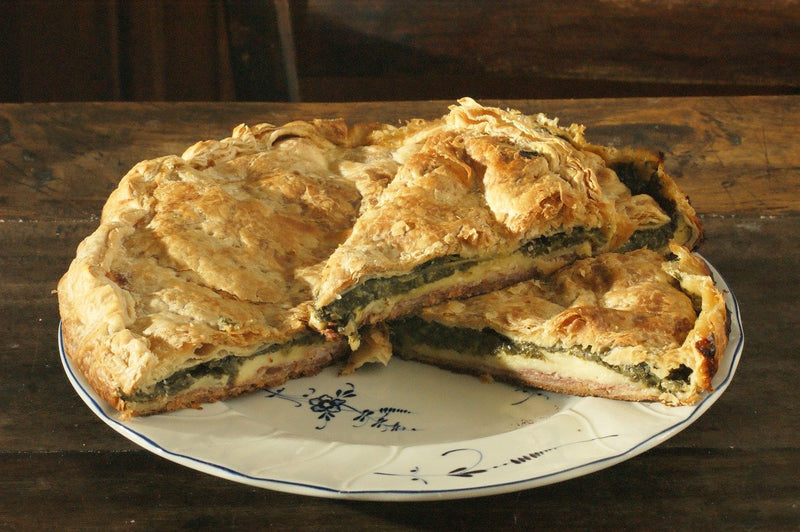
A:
<point x="409" y="431"/>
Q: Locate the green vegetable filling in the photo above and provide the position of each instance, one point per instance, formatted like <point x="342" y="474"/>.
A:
<point x="343" y="309"/>
<point x="640" y="179"/>
<point x="226" y="369"/>
<point x="656" y="238"/>
<point x="547" y="244"/>
<point x="488" y="343"/>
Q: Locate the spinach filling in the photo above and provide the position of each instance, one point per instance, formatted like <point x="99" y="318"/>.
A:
<point x="343" y="309"/>
<point x="549" y="243"/>
<point x="643" y="179"/>
<point x="640" y="178"/>
<point x="488" y="343"/>
<point x="410" y="330"/>
<point x="226" y="368"/>
<point x="656" y="238"/>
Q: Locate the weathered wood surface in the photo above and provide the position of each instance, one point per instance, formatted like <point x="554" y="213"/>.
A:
<point x="661" y="490"/>
<point x="735" y="468"/>
<point x="394" y="49"/>
<point x="60" y="161"/>
<point x="538" y="49"/>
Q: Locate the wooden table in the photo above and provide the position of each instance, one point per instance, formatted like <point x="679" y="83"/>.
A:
<point x="737" y="467"/>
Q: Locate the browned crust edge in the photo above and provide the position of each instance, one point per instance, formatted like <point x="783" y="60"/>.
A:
<point x="319" y="357"/>
<point x="708" y="341"/>
<point x="687" y="216"/>
<point x="551" y="382"/>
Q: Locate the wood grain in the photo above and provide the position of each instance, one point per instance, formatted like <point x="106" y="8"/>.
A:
<point x="536" y="49"/>
<point x="101" y="50"/>
<point x="735" y="468"/>
<point x="60" y="161"/>
<point x="660" y="490"/>
<point x="219" y="50"/>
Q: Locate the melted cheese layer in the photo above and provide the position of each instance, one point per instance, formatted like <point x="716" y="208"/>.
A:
<point x="477" y="279"/>
<point x="268" y="368"/>
<point x="560" y="366"/>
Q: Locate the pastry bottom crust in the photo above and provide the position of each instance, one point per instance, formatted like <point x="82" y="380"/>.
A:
<point x="317" y="358"/>
<point x="552" y="382"/>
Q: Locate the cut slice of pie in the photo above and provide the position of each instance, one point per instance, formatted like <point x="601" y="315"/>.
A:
<point x="484" y="198"/>
<point x="206" y="270"/>
<point x="194" y="286"/>
<point x="632" y="326"/>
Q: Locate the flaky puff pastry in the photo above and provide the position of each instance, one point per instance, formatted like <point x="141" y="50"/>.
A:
<point x="214" y="254"/>
<point x="467" y="191"/>
<point x="208" y="255"/>
<point x="633" y="310"/>
<point x="478" y="184"/>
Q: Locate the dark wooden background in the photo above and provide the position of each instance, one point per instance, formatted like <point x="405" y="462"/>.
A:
<point x="336" y="50"/>
<point x="736" y="468"/>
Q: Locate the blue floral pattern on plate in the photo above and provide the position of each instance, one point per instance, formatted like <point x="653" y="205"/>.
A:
<point x="473" y="468"/>
<point x="329" y="406"/>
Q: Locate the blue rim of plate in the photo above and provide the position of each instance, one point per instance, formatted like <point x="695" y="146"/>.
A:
<point x="723" y="378"/>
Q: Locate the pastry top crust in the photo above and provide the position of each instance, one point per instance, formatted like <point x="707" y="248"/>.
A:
<point x="625" y="308"/>
<point x="227" y="248"/>
<point x="208" y="254"/>
<point x="479" y="182"/>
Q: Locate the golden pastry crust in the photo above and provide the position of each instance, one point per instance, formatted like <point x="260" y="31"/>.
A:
<point x="628" y="162"/>
<point x="633" y="310"/>
<point x="375" y="347"/>
<point x="202" y="256"/>
<point x="216" y="257"/>
<point x="484" y="183"/>
<point x="467" y="191"/>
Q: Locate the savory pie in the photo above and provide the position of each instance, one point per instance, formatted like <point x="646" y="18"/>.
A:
<point x="214" y="273"/>
<point x="485" y="198"/>
<point x="631" y="326"/>
<point x="195" y="286"/>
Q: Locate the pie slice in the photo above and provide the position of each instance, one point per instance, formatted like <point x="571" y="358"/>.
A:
<point x="484" y="198"/>
<point x="194" y="287"/>
<point x="213" y="273"/>
<point x="631" y="326"/>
